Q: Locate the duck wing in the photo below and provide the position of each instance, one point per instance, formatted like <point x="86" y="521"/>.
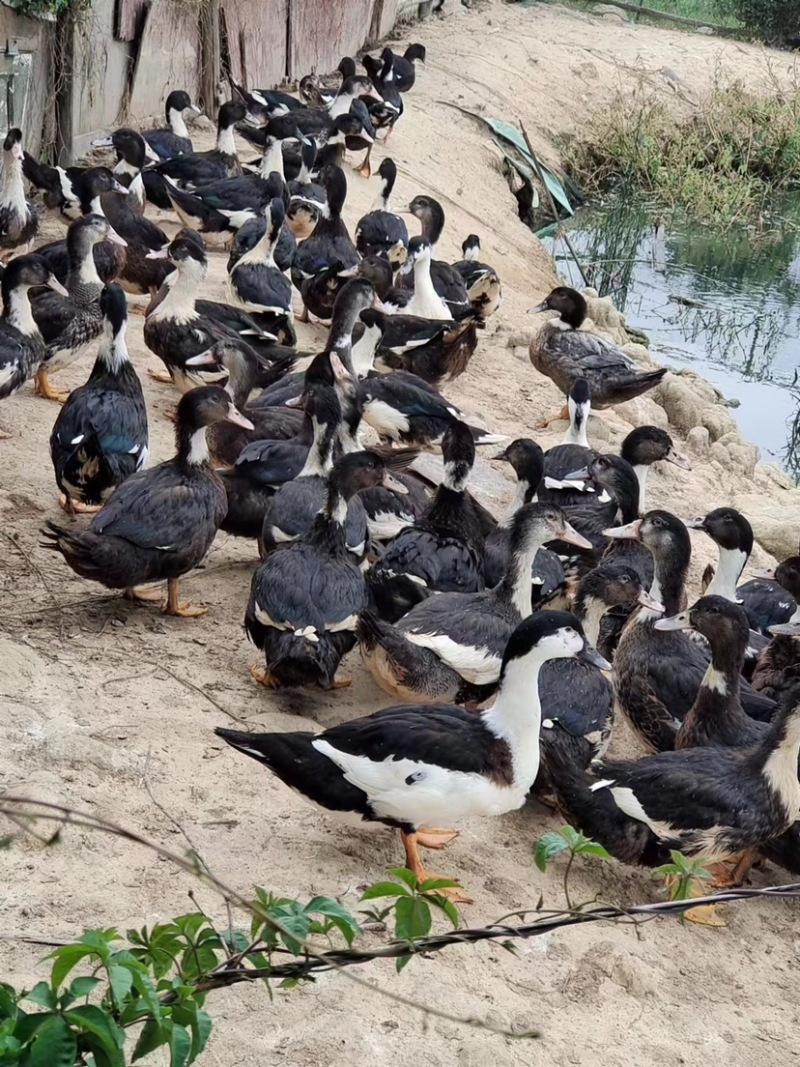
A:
<point x="167" y="144"/>
<point x="463" y="631"/>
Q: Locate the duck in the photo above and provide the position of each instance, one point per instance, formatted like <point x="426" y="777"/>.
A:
<point x="384" y="113"/>
<point x="482" y="282"/>
<point x="419" y="766"/>
<point x="160" y="522"/>
<point x="774" y="665"/>
<point x="100" y="437"/>
<point x="19" y="222"/>
<point x="21" y="346"/>
<point x="443" y="550"/>
<point x="239" y="363"/>
<point x="711" y="803"/>
<point x="195" y="168"/>
<point x="433" y="349"/>
<point x="291" y="512"/>
<point x="176" y="329"/>
<point x="658" y="674"/>
<point x="563" y="352"/>
<point x="425" y="301"/>
<point x="447" y="281"/>
<point x="330" y="243"/>
<point x="452" y="644"/>
<point x="645" y="446"/>
<point x="403" y="67"/>
<point x="257" y="285"/>
<point x="143" y="267"/>
<point x="248" y="236"/>
<point x="307" y="198"/>
<point x="173" y="139"/>
<point x="381" y="231"/>
<point x="305" y="600"/>
<point x="574" y="452"/>
<point x="578" y="697"/>
<point x="132" y="154"/>
<point x="70" y="190"/>
<point x="547" y="575"/>
<point x="70" y="324"/>
<point x="273" y="102"/>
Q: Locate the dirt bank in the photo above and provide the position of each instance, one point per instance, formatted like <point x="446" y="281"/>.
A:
<point x="104" y="702"/>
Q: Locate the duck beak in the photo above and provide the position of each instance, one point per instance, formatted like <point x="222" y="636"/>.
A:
<point x="785" y="629"/>
<point x="572" y="537"/>
<point x="577" y="476"/>
<point x="631" y="532"/>
<point x="647" y="601"/>
<point x="538" y="308"/>
<point x="501" y="455"/>
<point x="102" y="142"/>
<point x="678" y="459"/>
<point x="159" y="253"/>
<point x="119" y="188"/>
<point x="56" y="285"/>
<point x="349" y="272"/>
<point x="677" y="622"/>
<point x="151" y="154"/>
<point x="203" y="359"/>
<point x="694" y="524"/>
<point x="767" y="573"/>
<point x="294" y="402"/>
<point x="589" y="654"/>
<point x="115" y="238"/>
<point x="196" y="109"/>
<point x="407" y="266"/>
<point x="238" y="419"/>
<point x="396" y="486"/>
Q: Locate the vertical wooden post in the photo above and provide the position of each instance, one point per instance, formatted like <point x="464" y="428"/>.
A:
<point x="210" y="51"/>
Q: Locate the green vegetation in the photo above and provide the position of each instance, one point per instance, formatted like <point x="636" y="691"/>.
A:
<point x="775" y="20"/>
<point x="722" y="164"/>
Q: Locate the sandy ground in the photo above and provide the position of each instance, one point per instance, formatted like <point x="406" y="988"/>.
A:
<point x="110" y="707"/>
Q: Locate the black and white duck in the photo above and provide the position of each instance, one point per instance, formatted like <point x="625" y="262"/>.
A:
<point x="658" y="673"/>
<point x="19" y="222"/>
<point x="443" y="551"/>
<point x="257" y="285"/>
<point x="433" y="349"/>
<point x="160" y="522"/>
<point x="70" y="324"/>
<point x="445" y="279"/>
<point x="403" y="67"/>
<point x="578" y="698"/>
<point x="248" y="236"/>
<point x="384" y="113"/>
<point x="307" y="198"/>
<point x="382" y="231"/>
<point x="775" y="663"/>
<point x="195" y="168"/>
<point x="564" y="352"/>
<point x="21" y="346"/>
<point x="452" y="644"/>
<point x="100" y="436"/>
<point x="547" y="575"/>
<point x="572" y="454"/>
<point x="132" y="154"/>
<point x="645" y="446"/>
<point x="305" y="600"/>
<point x="425" y="302"/>
<point x="713" y="803"/>
<point x="173" y="139"/>
<point x="330" y="243"/>
<point x="143" y="268"/>
<point x="421" y="766"/>
<point x="482" y="282"/>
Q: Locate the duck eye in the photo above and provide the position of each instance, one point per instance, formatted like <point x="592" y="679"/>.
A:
<point x="624" y="579"/>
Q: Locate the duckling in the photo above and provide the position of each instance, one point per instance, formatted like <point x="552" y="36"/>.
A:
<point x="330" y="242"/>
<point x="453" y="641"/>
<point x="403" y="67"/>
<point x="173" y="140"/>
<point x="258" y="286"/>
<point x="658" y="674"/>
<point x="21" y="345"/>
<point x="578" y="699"/>
<point x="19" y="222"/>
<point x="646" y="445"/>
<point x="160" y="522"/>
<point x="196" y="168"/>
<point x="305" y="600"/>
<point x="433" y="349"/>
<point x="69" y="325"/>
<point x="563" y="352"/>
<point x="442" y="551"/>
<point x="381" y="231"/>
<point x="547" y="576"/>
<point x="100" y="436"/>
<point x="712" y="803"/>
<point x="481" y="281"/>
<point x="446" y="280"/>
<point x="418" y="766"/>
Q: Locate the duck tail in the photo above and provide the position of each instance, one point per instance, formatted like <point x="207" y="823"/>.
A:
<point x="485" y="437"/>
<point x="395" y="594"/>
<point x="640" y="383"/>
<point x="594" y="812"/>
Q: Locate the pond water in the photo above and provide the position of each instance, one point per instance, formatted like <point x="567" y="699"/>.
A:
<point x="725" y="304"/>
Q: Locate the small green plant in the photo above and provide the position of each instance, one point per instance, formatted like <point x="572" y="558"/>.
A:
<point x="683" y="875"/>
<point x="557" y="841"/>
<point x="412" y="905"/>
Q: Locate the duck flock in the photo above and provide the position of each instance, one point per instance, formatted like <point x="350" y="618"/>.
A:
<point x="510" y="643"/>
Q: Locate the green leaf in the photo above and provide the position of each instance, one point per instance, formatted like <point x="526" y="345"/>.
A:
<point x="8" y="1001"/>
<point x="190" y="1016"/>
<point x="43" y="995"/>
<point x="82" y="987"/>
<point x="593" y="848"/>
<point x="385" y="889"/>
<point x="180" y="1046"/>
<point x="431" y="884"/>
<point x="341" y="918"/>
<point x="405" y="875"/>
<point x="66" y="958"/>
<point x="121" y="981"/>
<point x="94" y="1020"/>
<point x="151" y="1037"/>
<point x="295" y="922"/>
<point x="547" y="846"/>
<point x="412" y="918"/>
<point x="54" y="1045"/>
<point x="401" y="962"/>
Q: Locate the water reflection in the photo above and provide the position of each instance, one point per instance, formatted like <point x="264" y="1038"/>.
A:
<point x="727" y="304"/>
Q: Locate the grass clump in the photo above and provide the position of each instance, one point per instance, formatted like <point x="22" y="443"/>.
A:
<point x="719" y="164"/>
